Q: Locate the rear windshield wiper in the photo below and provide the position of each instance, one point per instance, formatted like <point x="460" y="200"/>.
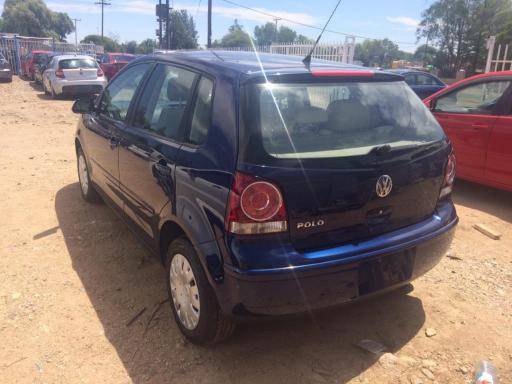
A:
<point x="380" y="150"/>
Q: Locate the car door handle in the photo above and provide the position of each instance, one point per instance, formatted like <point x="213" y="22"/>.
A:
<point x="477" y="127"/>
<point x="114" y="142"/>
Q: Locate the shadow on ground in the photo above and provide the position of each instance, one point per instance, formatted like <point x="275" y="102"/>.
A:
<point x="121" y="278"/>
<point x="492" y="201"/>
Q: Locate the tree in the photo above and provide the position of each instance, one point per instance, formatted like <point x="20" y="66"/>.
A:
<point x="425" y="54"/>
<point x="33" y="18"/>
<point x="62" y="24"/>
<point x="182" y="29"/>
<point x="267" y="34"/>
<point x="236" y="37"/>
<point x="379" y="53"/>
<point x="458" y="28"/>
<point x="146" y="46"/>
<point x="129" y="47"/>
<point x="109" y="44"/>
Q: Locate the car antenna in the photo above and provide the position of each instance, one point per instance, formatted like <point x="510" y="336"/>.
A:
<point x="307" y="59"/>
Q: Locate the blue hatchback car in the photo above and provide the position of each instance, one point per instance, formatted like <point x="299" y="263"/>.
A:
<point x="267" y="187"/>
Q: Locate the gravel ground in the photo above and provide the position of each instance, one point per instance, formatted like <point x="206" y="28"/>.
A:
<point x="73" y="276"/>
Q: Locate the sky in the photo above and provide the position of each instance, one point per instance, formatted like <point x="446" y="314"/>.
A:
<point x="135" y="20"/>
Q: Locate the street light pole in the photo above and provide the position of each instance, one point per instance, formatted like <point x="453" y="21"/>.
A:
<point x="209" y="41"/>
<point x="76" y="32"/>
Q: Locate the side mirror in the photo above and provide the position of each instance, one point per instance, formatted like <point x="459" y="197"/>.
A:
<point x="84" y="105"/>
<point x="432" y="104"/>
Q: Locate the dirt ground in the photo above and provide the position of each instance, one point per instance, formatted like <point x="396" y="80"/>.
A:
<point x="72" y="276"/>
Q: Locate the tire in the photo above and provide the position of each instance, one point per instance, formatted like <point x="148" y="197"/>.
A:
<point x="45" y="90"/>
<point x="89" y="194"/>
<point x="53" y="95"/>
<point x="206" y="324"/>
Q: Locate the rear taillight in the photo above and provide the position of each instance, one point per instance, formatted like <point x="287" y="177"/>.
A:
<point x="449" y="176"/>
<point x="59" y="73"/>
<point x="100" y="72"/>
<point x="255" y="207"/>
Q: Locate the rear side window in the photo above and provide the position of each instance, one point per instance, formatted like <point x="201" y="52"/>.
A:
<point x="309" y="121"/>
<point x="474" y="99"/>
<point x="202" y="112"/>
<point x="118" y="95"/>
<point x="77" y="63"/>
<point x="425" y="80"/>
<point x="165" y="100"/>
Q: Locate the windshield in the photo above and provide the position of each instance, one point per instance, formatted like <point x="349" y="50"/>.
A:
<point x="336" y="120"/>
<point x="122" y="58"/>
<point x="77" y="63"/>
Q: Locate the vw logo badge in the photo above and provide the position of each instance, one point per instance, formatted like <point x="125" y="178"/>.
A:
<point x="384" y="186"/>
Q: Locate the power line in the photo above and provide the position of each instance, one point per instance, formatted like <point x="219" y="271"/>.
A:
<point x="270" y="15"/>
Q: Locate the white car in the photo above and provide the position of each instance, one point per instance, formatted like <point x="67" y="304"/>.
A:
<point x="73" y="75"/>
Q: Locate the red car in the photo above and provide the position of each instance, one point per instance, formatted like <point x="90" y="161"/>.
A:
<point x="29" y="62"/>
<point x="476" y="114"/>
<point x="111" y="63"/>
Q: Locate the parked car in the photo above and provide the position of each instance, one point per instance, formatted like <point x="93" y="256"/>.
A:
<point x="43" y="63"/>
<point x="5" y="69"/>
<point x="268" y="192"/>
<point x="73" y="75"/>
<point x="111" y="63"/>
<point x="29" y="62"/>
<point x="423" y="84"/>
<point x="476" y="114"/>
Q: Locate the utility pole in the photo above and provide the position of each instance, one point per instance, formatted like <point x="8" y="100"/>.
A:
<point x="167" y="23"/>
<point x="209" y="42"/>
<point x="159" y="24"/>
<point x="276" y="19"/>
<point x="76" y="32"/>
<point x="102" y="3"/>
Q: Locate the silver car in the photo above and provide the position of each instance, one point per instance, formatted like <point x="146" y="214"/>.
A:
<point x="73" y="75"/>
<point x="5" y="69"/>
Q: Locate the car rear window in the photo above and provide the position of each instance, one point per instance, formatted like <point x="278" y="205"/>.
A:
<point x="122" y="58"/>
<point x="77" y="63"/>
<point x="329" y="120"/>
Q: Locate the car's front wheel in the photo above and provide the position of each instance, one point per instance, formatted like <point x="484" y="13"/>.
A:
<point x="192" y="299"/>
<point x="88" y="192"/>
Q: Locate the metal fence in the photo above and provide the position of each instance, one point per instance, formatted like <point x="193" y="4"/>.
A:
<point x="339" y="52"/>
<point x="499" y="56"/>
<point x="14" y="48"/>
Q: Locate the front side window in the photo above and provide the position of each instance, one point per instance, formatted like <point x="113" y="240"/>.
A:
<point x="478" y="98"/>
<point x="118" y="95"/>
<point x="202" y="112"/>
<point x="316" y="120"/>
<point x="165" y="100"/>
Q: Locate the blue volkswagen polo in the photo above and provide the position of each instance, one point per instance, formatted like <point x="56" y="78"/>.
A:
<point x="267" y="187"/>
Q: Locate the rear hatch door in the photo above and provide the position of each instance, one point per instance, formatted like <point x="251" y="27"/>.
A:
<point x="79" y="69"/>
<point x="354" y="157"/>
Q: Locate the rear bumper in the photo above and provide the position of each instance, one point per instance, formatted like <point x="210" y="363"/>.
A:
<point x="327" y="283"/>
<point x="5" y="74"/>
<point x="79" y="87"/>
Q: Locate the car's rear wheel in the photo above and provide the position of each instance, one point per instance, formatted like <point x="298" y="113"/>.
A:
<point x="89" y="194"/>
<point x="192" y="299"/>
<point x="53" y="95"/>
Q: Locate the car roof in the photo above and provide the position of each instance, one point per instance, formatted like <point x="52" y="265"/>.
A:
<point x="251" y="63"/>
<point x="67" y="57"/>
<point x="120" y="53"/>
<point x="403" y="71"/>
<point x="507" y="74"/>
